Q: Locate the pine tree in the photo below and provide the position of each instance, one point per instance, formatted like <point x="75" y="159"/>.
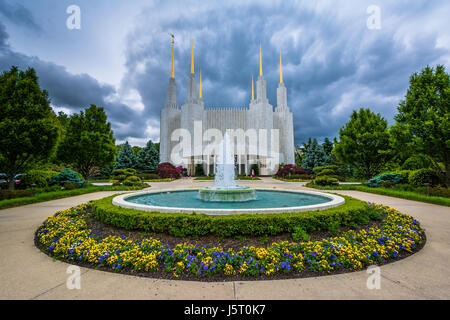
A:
<point x="148" y="158"/>
<point x="314" y="156"/>
<point x="125" y="158"/>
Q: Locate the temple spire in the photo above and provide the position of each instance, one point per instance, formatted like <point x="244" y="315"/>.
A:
<point x="200" y="90"/>
<point x="172" y="73"/>
<point x="253" y="91"/>
<point x="260" y="62"/>
<point x="192" y="58"/>
<point x="281" y="70"/>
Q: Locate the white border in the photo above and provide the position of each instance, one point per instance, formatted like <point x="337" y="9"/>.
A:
<point x="121" y="202"/>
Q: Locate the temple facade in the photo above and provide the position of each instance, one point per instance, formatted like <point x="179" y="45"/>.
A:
<point x="261" y="134"/>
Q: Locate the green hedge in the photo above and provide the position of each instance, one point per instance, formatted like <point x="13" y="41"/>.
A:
<point x="180" y="225"/>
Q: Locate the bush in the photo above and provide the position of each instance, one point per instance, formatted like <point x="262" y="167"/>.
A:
<point x="326" y="181"/>
<point x="67" y="176"/>
<point x="387" y="184"/>
<point x="8" y="194"/>
<point x="199" y="170"/>
<point x="416" y="162"/>
<point x="149" y="176"/>
<point x="126" y="177"/>
<point x="333" y="168"/>
<point x="132" y="181"/>
<point x="290" y="170"/>
<point x="70" y="185"/>
<point x="326" y="172"/>
<point x="300" y="235"/>
<point x="417" y="178"/>
<point x="181" y="225"/>
<point x="394" y="178"/>
<point x="167" y="170"/>
<point x="440" y="191"/>
<point x="40" y="178"/>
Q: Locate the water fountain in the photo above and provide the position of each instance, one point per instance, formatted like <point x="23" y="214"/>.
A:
<point x="225" y="188"/>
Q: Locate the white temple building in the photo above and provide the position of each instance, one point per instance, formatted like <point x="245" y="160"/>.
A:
<point x="261" y="135"/>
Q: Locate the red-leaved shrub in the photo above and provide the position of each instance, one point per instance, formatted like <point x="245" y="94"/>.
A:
<point x="290" y="168"/>
<point x="167" y="170"/>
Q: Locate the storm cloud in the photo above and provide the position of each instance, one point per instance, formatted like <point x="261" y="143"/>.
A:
<point x="332" y="62"/>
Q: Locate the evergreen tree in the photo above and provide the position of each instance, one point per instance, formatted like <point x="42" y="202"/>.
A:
<point x="125" y="158"/>
<point x="327" y="146"/>
<point x="148" y="158"/>
<point x="314" y="156"/>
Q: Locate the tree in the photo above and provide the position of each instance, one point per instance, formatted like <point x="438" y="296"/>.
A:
<point x="28" y="132"/>
<point x="314" y="156"/>
<point x="88" y="142"/>
<point x="424" y="116"/>
<point x="148" y="158"/>
<point x="136" y="150"/>
<point x="364" y="142"/>
<point x="125" y="158"/>
<point x="328" y="146"/>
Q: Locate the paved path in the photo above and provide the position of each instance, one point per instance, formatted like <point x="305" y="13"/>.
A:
<point x="26" y="273"/>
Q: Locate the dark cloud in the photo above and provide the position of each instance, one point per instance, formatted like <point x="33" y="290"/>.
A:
<point x="332" y="63"/>
<point x="19" y="15"/>
<point x="75" y="91"/>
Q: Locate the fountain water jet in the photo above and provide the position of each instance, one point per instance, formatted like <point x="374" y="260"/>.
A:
<point x="225" y="188"/>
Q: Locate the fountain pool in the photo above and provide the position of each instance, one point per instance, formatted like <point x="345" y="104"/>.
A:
<point x="265" y="201"/>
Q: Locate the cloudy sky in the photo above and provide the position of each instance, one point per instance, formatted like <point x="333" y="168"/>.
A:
<point x="334" y="60"/>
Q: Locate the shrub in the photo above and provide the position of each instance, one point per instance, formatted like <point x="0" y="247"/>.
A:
<point x="67" y="176"/>
<point x="126" y="177"/>
<point x="181" y="225"/>
<point x="199" y="170"/>
<point x="416" y="162"/>
<point x="394" y="178"/>
<point x="334" y="228"/>
<point x="290" y="169"/>
<point x="300" y="234"/>
<point x="167" y="170"/>
<point x="70" y="185"/>
<point x="326" y="172"/>
<point x="149" y="176"/>
<point x="417" y="178"/>
<point x="9" y="194"/>
<point x="333" y="168"/>
<point x="40" y="178"/>
<point x="440" y="191"/>
<point x="387" y="184"/>
<point x="132" y="181"/>
<point x="326" y="181"/>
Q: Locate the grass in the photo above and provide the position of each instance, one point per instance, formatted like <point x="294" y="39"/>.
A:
<point x="52" y="195"/>
<point x="410" y="195"/>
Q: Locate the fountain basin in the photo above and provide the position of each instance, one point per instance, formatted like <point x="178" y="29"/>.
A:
<point x="234" y="194"/>
<point x="268" y="201"/>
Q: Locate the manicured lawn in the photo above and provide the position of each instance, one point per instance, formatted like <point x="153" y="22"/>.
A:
<point x="388" y="192"/>
<point x="46" y="196"/>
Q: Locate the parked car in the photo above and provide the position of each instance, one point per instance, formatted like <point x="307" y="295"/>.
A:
<point x="3" y="177"/>
<point x="18" y="178"/>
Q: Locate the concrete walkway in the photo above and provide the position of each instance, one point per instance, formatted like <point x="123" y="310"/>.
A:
<point x="26" y="273"/>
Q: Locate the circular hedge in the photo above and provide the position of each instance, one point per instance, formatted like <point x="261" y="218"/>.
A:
<point x="181" y="224"/>
<point x="66" y="236"/>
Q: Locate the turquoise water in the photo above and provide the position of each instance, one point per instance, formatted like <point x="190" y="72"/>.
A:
<point x="264" y="199"/>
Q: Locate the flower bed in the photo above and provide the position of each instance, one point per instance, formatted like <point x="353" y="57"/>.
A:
<point x="66" y="236"/>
